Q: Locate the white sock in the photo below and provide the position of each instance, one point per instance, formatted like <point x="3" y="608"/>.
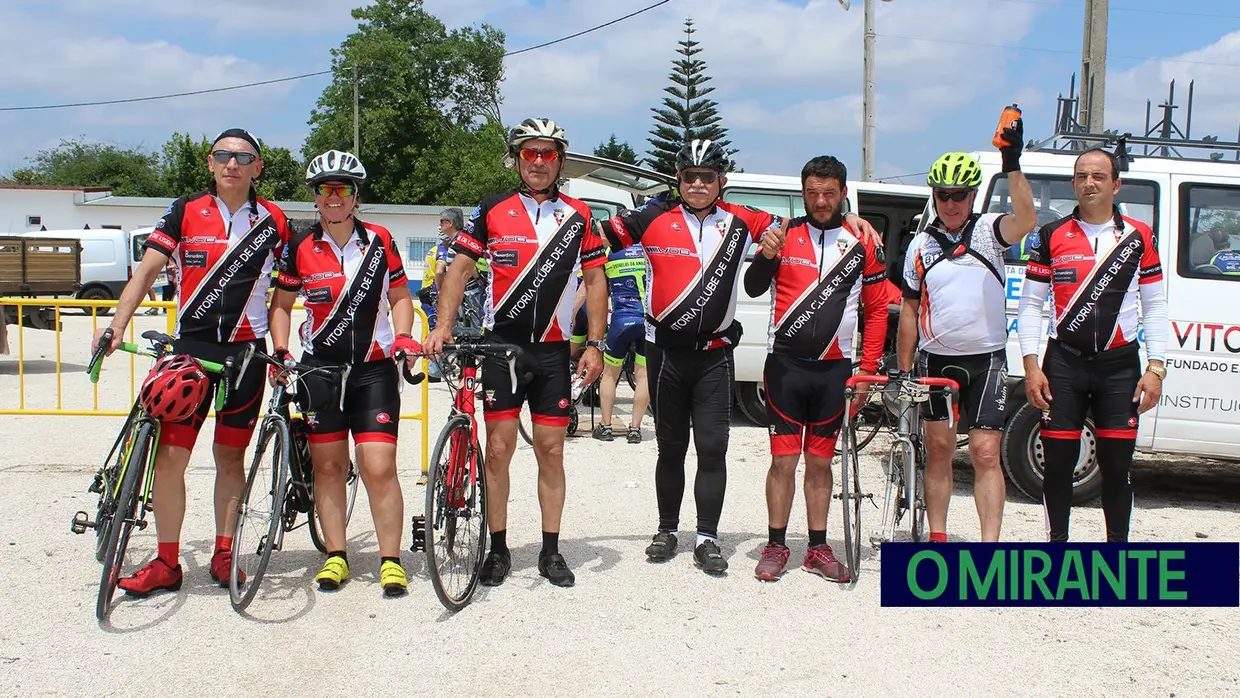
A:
<point x="702" y="538"/>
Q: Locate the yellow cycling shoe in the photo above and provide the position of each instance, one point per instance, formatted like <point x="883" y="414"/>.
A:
<point x="335" y="571"/>
<point x="392" y="577"/>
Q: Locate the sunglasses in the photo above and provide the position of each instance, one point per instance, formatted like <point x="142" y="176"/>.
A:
<point x="707" y="177"/>
<point x="956" y="196"/>
<point x="342" y="190"/>
<point x="243" y="157"/>
<point x="531" y="155"/>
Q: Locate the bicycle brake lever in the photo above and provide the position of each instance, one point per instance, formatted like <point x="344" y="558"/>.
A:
<point x="512" y="370"/>
<point x="245" y="362"/>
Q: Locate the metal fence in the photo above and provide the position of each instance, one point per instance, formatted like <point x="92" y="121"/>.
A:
<point x="39" y="352"/>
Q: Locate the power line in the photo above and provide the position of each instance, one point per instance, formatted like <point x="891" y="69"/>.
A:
<point x="587" y="31"/>
<point x="130" y="100"/>
<point x="1054" y="50"/>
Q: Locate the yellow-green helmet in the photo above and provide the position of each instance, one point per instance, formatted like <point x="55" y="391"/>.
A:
<point x="954" y="171"/>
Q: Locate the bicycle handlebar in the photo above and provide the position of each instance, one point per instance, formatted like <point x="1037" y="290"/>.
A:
<point x="161" y="346"/>
<point x="926" y="381"/>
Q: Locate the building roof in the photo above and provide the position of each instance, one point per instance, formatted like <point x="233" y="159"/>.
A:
<point x="52" y="187"/>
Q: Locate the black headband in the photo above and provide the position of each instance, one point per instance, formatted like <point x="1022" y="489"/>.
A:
<point x="243" y="135"/>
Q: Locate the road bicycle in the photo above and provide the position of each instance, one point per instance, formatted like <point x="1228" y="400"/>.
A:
<point x="124" y="483"/>
<point x="279" y="485"/>
<point x="452" y="531"/>
<point x="904" y="465"/>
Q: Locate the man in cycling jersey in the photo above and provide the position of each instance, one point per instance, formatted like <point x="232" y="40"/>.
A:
<point x="1104" y="276"/>
<point x="536" y="239"/>
<point x="695" y="244"/>
<point x="626" y="331"/>
<point x="225" y="242"/>
<point x="818" y="275"/>
<point x="954" y="319"/>
<point x="350" y="273"/>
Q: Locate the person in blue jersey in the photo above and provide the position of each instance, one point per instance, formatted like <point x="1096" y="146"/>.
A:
<point x="626" y="330"/>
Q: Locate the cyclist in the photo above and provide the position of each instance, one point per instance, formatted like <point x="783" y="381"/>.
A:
<point x="536" y="239"/>
<point x="626" y="331"/>
<point x="1105" y="279"/>
<point x="818" y="276"/>
<point x="691" y="333"/>
<point x="224" y="242"/>
<point x="350" y="274"/>
<point x="954" y="319"/>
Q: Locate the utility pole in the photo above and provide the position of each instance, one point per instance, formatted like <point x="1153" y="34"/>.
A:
<point x="868" y="98"/>
<point x="356" y="124"/>
<point x="1094" y="67"/>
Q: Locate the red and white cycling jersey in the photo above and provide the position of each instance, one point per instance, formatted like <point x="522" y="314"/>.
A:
<point x="345" y="290"/>
<point x="225" y="259"/>
<point x="1096" y="274"/>
<point x="820" y="279"/>
<point x="694" y="266"/>
<point x="534" y="251"/>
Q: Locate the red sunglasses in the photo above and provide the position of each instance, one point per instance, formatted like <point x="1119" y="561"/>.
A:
<point x="531" y="155"/>
<point x="341" y="190"/>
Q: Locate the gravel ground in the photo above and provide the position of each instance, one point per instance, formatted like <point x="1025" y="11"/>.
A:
<point x="628" y="627"/>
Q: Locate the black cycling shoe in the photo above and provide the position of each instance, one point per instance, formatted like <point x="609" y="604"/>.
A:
<point x="635" y="435"/>
<point x="708" y="557"/>
<point x="495" y="569"/>
<point x="602" y="432"/>
<point x="662" y="548"/>
<point x="555" y="569"/>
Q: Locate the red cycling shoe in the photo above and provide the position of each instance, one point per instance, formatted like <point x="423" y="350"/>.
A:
<point x="156" y="576"/>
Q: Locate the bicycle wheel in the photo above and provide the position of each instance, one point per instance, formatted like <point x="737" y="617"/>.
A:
<point x="260" y="512"/>
<point x="917" y="493"/>
<point x="124" y="517"/>
<point x="108" y="483"/>
<point x="893" y="490"/>
<point x="351" y="480"/>
<point x="525" y="425"/>
<point x="850" y="503"/>
<point x="456" y="514"/>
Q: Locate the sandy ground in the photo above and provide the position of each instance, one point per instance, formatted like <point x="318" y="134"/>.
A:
<point x="628" y="627"/>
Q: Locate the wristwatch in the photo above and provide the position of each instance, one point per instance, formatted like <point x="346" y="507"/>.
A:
<point x="1160" y="371"/>
<point x="596" y="343"/>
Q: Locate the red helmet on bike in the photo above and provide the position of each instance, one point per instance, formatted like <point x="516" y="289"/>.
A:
<point x="174" y="389"/>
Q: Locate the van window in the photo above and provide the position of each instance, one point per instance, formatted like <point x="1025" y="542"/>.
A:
<point x="138" y="249"/>
<point x="773" y="203"/>
<point x="1209" y="237"/>
<point x="1054" y="198"/>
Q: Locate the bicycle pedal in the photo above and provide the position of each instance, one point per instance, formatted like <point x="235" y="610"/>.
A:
<point x="141" y="524"/>
<point x="418" y="538"/>
<point x="96" y="487"/>
<point x="80" y="523"/>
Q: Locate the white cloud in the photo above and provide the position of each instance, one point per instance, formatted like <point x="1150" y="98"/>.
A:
<point x="254" y="17"/>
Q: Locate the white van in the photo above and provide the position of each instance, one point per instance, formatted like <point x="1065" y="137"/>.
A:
<point x="1193" y="207"/>
<point x="893" y="209"/>
<point x="107" y="259"/>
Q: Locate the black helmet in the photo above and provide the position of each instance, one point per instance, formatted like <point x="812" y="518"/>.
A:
<point x="702" y="153"/>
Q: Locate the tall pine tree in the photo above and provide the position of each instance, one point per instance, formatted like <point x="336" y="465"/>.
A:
<point x="687" y="114"/>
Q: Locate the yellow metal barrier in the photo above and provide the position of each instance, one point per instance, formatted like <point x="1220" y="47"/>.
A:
<point x="81" y="349"/>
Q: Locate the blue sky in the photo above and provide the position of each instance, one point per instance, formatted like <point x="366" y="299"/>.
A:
<point x="787" y="74"/>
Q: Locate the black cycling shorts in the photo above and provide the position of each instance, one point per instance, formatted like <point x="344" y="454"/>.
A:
<point x="234" y="424"/>
<point x="371" y="409"/>
<point x="623" y="336"/>
<point x="983" y="387"/>
<point x="1102" y="384"/>
<point x="547" y="391"/>
<point x="805" y="404"/>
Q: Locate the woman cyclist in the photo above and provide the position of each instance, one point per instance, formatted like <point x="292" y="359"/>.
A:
<point x="350" y="274"/>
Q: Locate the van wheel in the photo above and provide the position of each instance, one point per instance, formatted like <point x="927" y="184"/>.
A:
<point x="96" y="293"/>
<point x="1023" y="459"/>
<point x="752" y="400"/>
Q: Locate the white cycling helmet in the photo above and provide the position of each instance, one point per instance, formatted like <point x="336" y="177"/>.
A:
<point x="533" y="129"/>
<point x="335" y="164"/>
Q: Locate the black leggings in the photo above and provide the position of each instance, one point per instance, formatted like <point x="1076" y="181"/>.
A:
<point x="691" y="386"/>
<point x="1103" y="385"/>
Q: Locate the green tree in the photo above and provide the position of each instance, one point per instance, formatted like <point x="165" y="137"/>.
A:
<point x="687" y="114"/>
<point x="620" y="151"/>
<point x="183" y="165"/>
<point x="76" y="163"/>
<point x="423" y="90"/>
<point x="283" y="177"/>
